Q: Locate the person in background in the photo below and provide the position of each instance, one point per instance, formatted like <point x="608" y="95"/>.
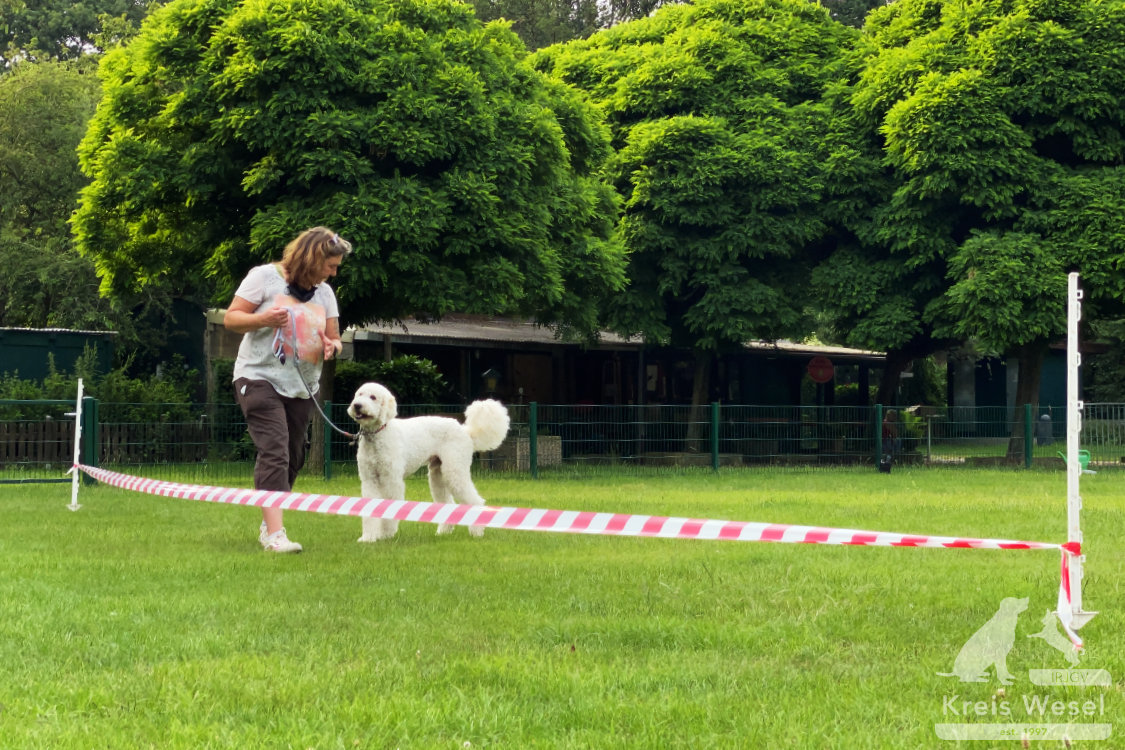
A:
<point x="892" y="435"/>
<point x="289" y="319"/>
<point x="1044" y="432"/>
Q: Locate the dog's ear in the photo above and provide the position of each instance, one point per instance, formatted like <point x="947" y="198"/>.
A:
<point x="388" y="407"/>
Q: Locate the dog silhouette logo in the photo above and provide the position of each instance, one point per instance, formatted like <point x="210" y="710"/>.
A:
<point x="1056" y="640"/>
<point x="989" y="646"/>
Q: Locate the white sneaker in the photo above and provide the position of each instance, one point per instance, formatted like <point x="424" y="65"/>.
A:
<point x="279" y="542"/>
<point x="262" y="534"/>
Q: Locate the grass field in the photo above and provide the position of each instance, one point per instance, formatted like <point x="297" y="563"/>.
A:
<point x="143" y="622"/>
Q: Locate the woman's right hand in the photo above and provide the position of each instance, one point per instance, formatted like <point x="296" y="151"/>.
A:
<point x="241" y="318"/>
<point x="275" y="317"/>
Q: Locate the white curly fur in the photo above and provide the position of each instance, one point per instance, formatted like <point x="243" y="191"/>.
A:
<point x="391" y="449"/>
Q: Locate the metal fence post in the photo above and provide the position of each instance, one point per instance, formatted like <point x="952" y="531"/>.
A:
<point x="929" y="437"/>
<point x="327" y="442"/>
<point x="715" y="435"/>
<point x="533" y="438"/>
<point x="878" y="433"/>
<point x="91" y="440"/>
<point x="1027" y="436"/>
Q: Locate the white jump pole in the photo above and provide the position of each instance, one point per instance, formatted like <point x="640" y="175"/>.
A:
<point x="1073" y="439"/>
<point x="74" y="473"/>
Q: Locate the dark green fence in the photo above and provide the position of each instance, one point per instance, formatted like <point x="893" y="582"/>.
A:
<point x="36" y="441"/>
<point x="193" y="441"/>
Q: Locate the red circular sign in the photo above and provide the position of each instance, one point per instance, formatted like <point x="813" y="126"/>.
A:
<point x="821" y="370"/>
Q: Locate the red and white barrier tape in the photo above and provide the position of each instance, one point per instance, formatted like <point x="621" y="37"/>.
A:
<point x="1064" y="609"/>
<point x="577" y="522"/>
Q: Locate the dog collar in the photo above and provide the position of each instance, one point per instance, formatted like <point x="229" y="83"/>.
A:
<point x="365" y="433"/>
<point x="369" y="433"/>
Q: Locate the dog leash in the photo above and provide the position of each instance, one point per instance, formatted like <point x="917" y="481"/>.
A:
<point x="349" y="435"/>
<point x="279" y="352"/>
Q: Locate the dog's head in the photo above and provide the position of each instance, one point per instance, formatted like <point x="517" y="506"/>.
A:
<point x="373" y="405"/>
<point x="1013" y="606"/>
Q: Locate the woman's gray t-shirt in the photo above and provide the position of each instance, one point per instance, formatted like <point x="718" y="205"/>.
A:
<point x="265" y="286"/>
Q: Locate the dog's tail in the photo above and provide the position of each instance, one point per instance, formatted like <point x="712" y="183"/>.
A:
<point x="487" y="422"/>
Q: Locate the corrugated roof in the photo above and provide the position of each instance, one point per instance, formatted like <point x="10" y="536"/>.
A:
<point x="58" y="330"/>
<point x="463" y="329"/>
<point x="480" y="328"/>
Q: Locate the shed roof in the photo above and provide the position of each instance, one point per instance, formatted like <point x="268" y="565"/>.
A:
<point x="460" y="330"/>
<point x="5" y="329"/>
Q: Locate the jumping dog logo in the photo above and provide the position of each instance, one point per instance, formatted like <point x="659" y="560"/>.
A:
<point x="1056" y="640"/>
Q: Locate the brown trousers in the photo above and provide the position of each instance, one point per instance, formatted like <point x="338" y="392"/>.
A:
<point x="279" y="427"/>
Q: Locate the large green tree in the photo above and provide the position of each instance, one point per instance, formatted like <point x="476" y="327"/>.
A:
<point x="724" y="157"/>
<point x="618" y="11"/>
<point x="872" y="287"/>
<point x="1104" y="371"/>
<point x="44" y="108"/>
<point x="466" y="180"/>
<point x="540" y="23"/>
<point x="40" y="30"/>
<point x="852" y="12"/>
<point x="1002" y="125"/>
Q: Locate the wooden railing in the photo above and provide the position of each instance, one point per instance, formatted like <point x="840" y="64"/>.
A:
<point x="47" y="441"/>
<point x="51" y="441"/>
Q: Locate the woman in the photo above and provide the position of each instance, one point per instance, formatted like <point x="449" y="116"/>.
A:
<point x="291" y="324"/>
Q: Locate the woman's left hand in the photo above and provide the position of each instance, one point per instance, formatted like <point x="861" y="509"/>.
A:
<point x="332" y="347"/>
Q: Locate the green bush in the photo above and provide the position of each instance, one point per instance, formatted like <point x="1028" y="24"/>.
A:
<point x="926" y="386"/>
<point x="222" y="370"/>
<point x="165" y="397"/>
<point x="848" y="395"/>
<point x="413" y="380"/>
<point x="913" y="427"/>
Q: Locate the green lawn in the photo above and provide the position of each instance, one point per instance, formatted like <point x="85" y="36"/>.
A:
<point x="142" y="622"/>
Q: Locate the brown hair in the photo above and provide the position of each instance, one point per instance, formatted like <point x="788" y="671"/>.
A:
<point x="304" y="257"/>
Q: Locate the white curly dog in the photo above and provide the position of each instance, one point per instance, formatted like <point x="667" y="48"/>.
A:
<point x="391" y="449"/>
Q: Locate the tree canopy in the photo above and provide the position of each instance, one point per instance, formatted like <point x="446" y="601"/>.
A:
<point x="43" y="113"/>
<point x="852" y="12"/>
<point x="723" y="151"/>
<point x="466" y="180"/>
<point x="937" y="175"/>
<point x="42" y="30"/>
<point x="540" y="23"/>
<point x="1003" y="132"/>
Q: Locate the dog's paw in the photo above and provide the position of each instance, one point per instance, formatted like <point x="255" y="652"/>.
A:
<point x="445" y="528"/>
<point x="368" y="538"/>
<point x="477" y="531"/>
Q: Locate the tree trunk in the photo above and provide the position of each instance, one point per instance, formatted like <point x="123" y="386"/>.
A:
<point x="895" y="365"/>
<point x="315" y="460"/>
<point x="700" y="388"/>
<point x="1030" y="358"/>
